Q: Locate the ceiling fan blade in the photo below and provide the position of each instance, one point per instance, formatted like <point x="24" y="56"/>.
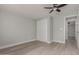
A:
<point x="48" y="7"/>
<point x="62" y="5"/>
<point x="54" y="5"/>
<point x="58" y="10"/>
<point x="51" y="11"/>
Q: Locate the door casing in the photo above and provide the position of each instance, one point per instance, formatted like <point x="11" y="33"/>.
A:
<point x="68" y="19"/>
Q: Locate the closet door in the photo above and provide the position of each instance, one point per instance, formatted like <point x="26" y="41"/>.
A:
<point x="44" y="30"/>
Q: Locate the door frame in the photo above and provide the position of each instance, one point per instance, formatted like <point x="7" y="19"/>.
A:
<point x="67" y="19"/>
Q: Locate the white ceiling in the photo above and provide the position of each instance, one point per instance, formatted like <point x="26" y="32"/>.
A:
<point x="33" y="11"/>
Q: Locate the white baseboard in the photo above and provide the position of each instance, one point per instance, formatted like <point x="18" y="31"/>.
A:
<point x="45" y="41"/>
<point x="11" y="45"/>
<point x="58" y="41"/>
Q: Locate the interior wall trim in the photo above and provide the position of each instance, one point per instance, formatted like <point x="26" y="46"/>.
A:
<point x="11" y="45"/>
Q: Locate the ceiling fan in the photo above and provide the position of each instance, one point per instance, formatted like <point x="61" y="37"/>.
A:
<point x="55" y="7"/>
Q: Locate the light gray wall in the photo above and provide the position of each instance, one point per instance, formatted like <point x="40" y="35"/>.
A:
<point x="15" y="28"/>
<point x="58" y="29"/>
<point x="59" y="21"/>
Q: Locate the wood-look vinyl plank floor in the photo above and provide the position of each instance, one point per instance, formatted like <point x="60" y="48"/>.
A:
<point x="41" y="48"/>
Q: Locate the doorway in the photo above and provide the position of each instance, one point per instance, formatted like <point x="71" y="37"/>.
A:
<point x="70" y="39"/>
<point x="71" y="30"/>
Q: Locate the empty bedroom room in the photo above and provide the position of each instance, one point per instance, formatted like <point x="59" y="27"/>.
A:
<point x="39" y="29"/>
